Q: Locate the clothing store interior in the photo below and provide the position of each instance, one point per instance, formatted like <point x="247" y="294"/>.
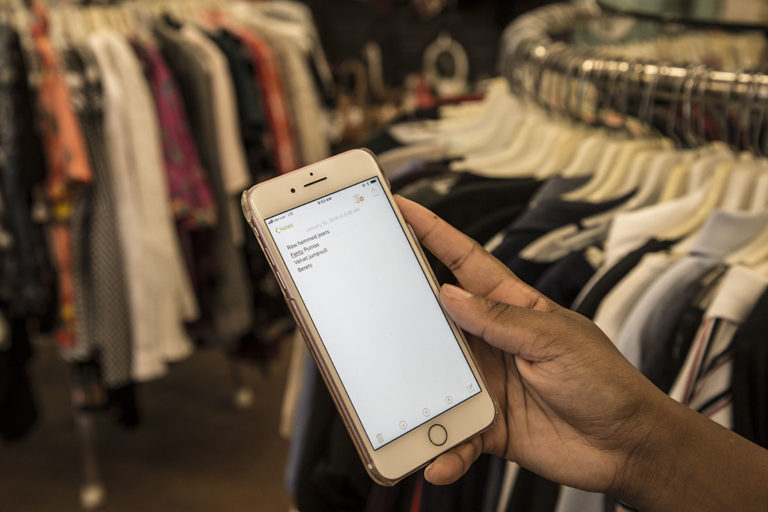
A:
<point x="611" y="153"/>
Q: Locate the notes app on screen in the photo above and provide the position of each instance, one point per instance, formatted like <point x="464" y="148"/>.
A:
<point x="374" y="309"/>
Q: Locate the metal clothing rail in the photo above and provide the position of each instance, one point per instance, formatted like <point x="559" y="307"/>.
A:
<point x="529" y="48"/>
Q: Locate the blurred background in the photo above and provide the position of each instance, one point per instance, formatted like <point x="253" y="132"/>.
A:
<point x="147" y="359"/>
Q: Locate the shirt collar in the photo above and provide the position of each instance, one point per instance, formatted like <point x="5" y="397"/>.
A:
<point x="739" y="291"/>
<point x="630" y="230"/>
<point x="724" y="232"/>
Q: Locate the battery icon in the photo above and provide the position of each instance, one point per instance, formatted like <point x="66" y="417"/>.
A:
<point x="372" y="181"/>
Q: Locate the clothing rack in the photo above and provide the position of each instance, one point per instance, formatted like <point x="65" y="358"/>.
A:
<point x="67" y="25"/>
<point x="533" y="45"/>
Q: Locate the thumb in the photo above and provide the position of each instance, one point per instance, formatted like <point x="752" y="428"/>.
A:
<point x="523" y="332"/>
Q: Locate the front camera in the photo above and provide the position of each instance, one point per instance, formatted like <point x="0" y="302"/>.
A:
<point x="293" y="191"/>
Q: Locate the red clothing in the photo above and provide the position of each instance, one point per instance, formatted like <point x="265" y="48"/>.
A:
<point x="273" y="96"/>
<point x="68" y="166"/>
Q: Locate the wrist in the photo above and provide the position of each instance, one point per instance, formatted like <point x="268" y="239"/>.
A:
<point x="653" y="456"/>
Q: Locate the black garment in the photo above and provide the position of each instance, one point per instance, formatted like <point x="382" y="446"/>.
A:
<point x="18" y="412"/>
<point x="482" y="197"/>
<point x="563" y="281"/>
<point x="496" y="470"/>
<point x="27" y="277"/>
<point x="124" y="405"/>
<point x="90" y="394"/>
<point x="381" y="141"/>
<point x="258" y="345"/>
<point x="429" y="170"/>
<point x="529" y="271"/>
<point x="749" y="381"/>
<point x="472" y="178"/>
<point x="591" y="301"/>
<point x="469" y="204"/>
<point x="392" y="499"/>
<point x="330" y="476"/>
<point x="557" y="186"/>
<point x="533" y="493"/>
<point x="250" y="112"/>
<point x="661" y="351"/>
<point x="429" y="191"/>
<point x="467" y="493"/>
<point x="547" y="216"/>
<point x="485" y="229"/>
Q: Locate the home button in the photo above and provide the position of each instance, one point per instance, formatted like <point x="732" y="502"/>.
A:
<point x="437" y="435"/>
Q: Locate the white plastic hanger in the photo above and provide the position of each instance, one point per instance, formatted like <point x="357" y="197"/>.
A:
<point x="759" y="200"/>
<point x="499" y="141"/>
<point x="544" y="149"/>
<point x="755" y="253"/>
<point x="464" y="137"/>
<point x="527" y="121"/>
<point x="647" y="175"/>
<point x="569" y="144"/>
<point x="623" y="174"/>
<point x="461" y="116"/>
<point x="752" y="254"/>
<point x="587" y="156"/>
<point x="422" y="131"/>
<point x="704" y="167"/>
<point x="762" y="268"/>
<point x="460" y="143"/>
<point x="651" y="180"/>
<point x="715" y="190"/>
<point x="616" y="158"/>
<point x="533" y="146"/>
<point x="738" y="191"/>
<point x="676" y="181"/>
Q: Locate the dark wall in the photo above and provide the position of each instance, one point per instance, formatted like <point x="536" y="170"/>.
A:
<point x="346" y="25"/>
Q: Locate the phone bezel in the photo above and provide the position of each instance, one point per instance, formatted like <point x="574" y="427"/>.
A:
<point x="411" y="451"/>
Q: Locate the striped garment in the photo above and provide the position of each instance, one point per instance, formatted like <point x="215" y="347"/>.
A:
<point x="704" y="382"/>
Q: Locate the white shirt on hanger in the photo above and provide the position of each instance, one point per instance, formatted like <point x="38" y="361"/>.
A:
<point x="618" y="303"/>
<point x="160" y="294"/>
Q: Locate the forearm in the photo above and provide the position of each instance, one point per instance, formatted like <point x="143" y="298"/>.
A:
<point x="691" y="463"/>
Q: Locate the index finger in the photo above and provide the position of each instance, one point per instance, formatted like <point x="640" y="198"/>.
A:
<point x="475" y="268"/>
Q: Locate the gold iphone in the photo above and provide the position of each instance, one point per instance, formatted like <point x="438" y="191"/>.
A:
<point x="362" y="293"/>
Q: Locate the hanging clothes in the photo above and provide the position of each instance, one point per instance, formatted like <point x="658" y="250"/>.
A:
<point x="228" y="305"/>
<point x="68" y="168"/>
<point x="159" y="289"/>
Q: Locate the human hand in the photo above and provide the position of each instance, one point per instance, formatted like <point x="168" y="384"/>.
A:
<point x="571" y="407"/>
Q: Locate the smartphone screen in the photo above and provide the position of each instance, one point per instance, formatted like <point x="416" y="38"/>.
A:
<point x="372" y="305"/>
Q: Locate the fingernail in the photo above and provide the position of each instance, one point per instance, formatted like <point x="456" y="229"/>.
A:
<point x="454" y="292"/>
